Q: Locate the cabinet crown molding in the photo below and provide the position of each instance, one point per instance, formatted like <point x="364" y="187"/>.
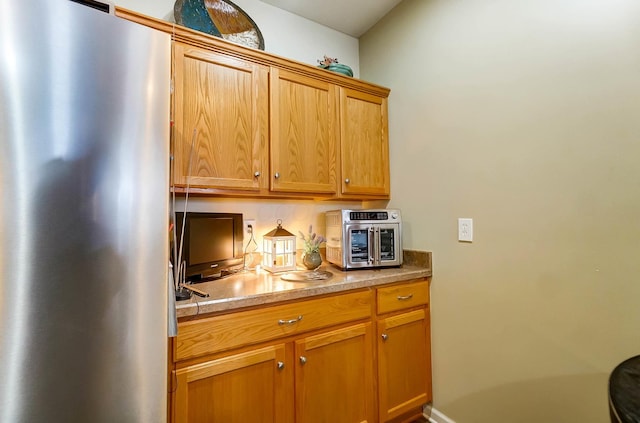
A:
<point x="199" y="39"/>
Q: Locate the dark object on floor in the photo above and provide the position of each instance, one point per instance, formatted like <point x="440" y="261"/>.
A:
<point x="624" y="392"/>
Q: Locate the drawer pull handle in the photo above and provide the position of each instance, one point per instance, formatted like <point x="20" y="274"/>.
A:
<point x="289" y="322"/>
<point x="405" y="297"/>
<point x="303" y="359"/>
<point x="385" y="336"/>
<point x="280" y="365"/>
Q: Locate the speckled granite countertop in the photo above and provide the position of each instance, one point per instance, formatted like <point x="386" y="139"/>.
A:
<point x="252" y="288"/>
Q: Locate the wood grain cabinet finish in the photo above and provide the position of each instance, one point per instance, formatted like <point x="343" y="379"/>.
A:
<point x="252" y="386"/>
<point x="404" y="351"/>
<point x="304" y="132"/>
<point x="219" y="333"/>
<point x="360" y="356"/>
<point x="364" y="143"/>
<point x="334" y="376"/>
<point x="258" y="115"/>
<point x="220" y="131"/>
<point x="328" y="379"/>
<point x="402" y="296"/>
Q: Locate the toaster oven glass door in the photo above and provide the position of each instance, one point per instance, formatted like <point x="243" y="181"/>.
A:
<point x="387" y="245"/>
<point x="372" y="245"/>
<point x="360" y="245"/>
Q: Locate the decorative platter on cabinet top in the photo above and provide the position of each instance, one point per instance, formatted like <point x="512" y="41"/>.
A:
<point x="220" y="18"/>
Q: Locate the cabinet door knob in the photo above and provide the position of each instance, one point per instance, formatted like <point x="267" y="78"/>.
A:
<point x="303" y="359"/>
<point x="346" y="181"/>
<point x="256" y="174"/>
<point x="277" y="175"/>
<point x="385" y="336"/>
<point x="280" y="365"/>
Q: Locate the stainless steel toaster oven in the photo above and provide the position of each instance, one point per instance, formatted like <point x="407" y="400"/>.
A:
<point x="364" y="238"/>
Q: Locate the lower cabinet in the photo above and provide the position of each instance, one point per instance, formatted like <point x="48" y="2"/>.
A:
<point x="404" y="351"/>
<point x="403" y="366"/>
<point x="252" y="386"/>
<point x="334" y="377"/>
<point x="353" y="357"/>
<point x="329" y="379"/>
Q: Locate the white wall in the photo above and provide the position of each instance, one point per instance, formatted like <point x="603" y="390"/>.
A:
<point x="296" y="215"/>
<point x="285" y="34"/>
<point x="523" y="115"/>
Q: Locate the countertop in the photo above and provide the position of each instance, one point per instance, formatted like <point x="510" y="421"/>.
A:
<point x="251" y="288"/>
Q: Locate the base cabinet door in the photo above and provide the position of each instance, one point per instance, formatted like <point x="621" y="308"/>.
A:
<point x="334" y="376"/>
<point x="253" y="386"/>
<point x="404" y="363"/>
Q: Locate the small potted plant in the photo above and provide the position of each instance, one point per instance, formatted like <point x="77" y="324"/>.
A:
<point x="311" y="258"/>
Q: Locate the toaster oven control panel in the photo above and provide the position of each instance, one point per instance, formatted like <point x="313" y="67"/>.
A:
<point x="360" y="215"/>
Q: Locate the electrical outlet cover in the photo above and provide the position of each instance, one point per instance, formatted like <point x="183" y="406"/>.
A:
<point x="246" y="224"/>
<point x="465" y="230"/>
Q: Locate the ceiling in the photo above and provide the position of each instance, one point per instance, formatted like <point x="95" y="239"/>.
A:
<point x="353" y="17"/>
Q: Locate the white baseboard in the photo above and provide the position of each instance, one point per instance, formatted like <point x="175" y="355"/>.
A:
<point x="438" y="417"/>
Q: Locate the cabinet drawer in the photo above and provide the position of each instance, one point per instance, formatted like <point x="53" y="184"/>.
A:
<point x="403" y="296"/>
<point x="218" y="333"/>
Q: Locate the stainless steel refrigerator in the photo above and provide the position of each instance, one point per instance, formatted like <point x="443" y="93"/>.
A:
<point x="84" y="213"/>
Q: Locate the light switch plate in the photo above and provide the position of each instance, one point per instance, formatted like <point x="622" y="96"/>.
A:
<point x="465" y="229"/>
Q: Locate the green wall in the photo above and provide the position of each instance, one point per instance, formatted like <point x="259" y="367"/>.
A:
<point x="525" y="116"/>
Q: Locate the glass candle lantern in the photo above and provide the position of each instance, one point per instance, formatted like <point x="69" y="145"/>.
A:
<point x="279" y="250"/>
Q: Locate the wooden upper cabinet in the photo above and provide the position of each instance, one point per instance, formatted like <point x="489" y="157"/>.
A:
<point x="220" y="120"/>
<point x="364" y="143"/>
<point x="303" y="133"/>
<point x="256" y="115"/>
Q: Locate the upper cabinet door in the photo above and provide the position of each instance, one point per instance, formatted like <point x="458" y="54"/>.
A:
<point x="303" y="134"/>
<point x="220" y="121"/>
<point x="364" y="143"/>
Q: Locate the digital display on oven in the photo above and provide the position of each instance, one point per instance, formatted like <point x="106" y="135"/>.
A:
<point x="368" y="215"/>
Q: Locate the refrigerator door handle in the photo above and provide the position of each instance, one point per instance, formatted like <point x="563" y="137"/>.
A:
<point x="103" y="5"/>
